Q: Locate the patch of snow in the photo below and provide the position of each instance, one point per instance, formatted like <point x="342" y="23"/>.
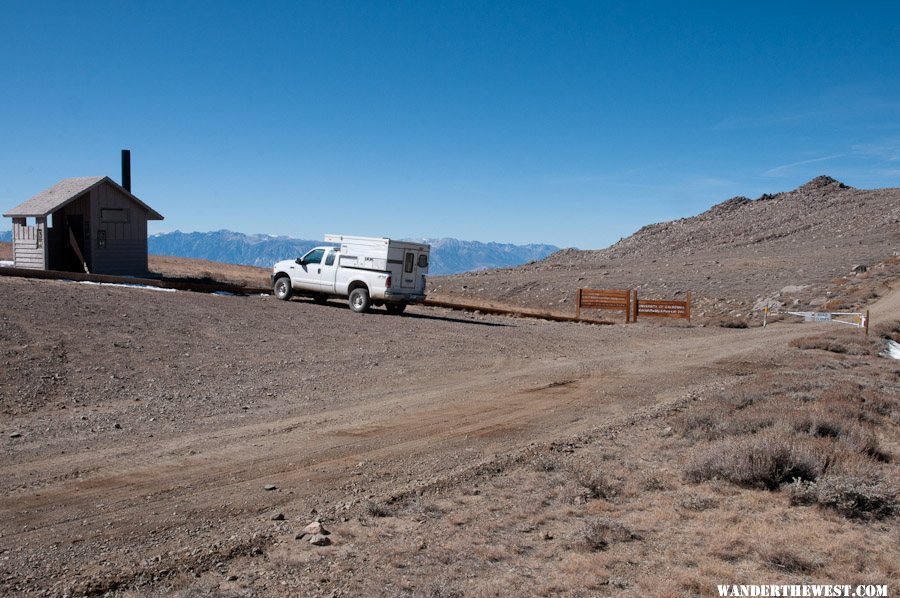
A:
<point x="127" y="286"/>
<point x="6" y="264"/>
<point x="892" y="350"/>
<point x="223" y="293"/>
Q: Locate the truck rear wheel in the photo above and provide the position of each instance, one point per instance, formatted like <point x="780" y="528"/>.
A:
<point x="283" y="288"/>
<point x="395" y="308"/>
<point x="359" y="300"/>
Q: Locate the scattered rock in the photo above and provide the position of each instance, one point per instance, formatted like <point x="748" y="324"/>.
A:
<point x="278" y="517"/>
<point x="270" y="487"/>
<point x="320" y="540"/>
<point x="15" y="435"/>
<point x="316" y="528"/>
<point x="859" y="268"/>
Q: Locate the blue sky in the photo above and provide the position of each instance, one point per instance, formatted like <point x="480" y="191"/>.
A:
<point x="572" y="123"/>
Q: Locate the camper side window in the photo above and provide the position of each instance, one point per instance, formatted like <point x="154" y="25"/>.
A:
<point x="410" y="262"/>
<point x="423" y="260"/>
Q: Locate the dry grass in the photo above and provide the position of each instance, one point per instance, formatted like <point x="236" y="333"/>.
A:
<point x="849" y="343"/>
<point x="178" y="267"/>
<point x="6" y="252"/>
<point x="890" y="329"/>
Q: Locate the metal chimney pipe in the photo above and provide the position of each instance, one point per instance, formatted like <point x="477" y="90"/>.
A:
<point x="126" y="169"/>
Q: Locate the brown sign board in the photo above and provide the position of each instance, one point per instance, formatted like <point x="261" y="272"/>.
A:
<point x="618" y="300"/>
<point x="658" y="308"/>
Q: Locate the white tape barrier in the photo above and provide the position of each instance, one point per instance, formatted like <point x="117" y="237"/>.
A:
<point x="857" y="319"/>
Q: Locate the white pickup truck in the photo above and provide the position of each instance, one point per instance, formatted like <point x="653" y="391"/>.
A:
<point x="366" y="270"/>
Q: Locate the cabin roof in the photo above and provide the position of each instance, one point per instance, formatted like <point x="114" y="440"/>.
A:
<point x="50" y="200"/>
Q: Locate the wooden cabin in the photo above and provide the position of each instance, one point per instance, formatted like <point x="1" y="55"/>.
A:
<point x="87" y="224"/>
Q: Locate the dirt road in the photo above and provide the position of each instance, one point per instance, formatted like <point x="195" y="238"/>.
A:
<point x="141" y="429"/>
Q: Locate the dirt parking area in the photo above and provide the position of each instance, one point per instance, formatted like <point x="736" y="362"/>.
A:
<point x="168" y="442"/>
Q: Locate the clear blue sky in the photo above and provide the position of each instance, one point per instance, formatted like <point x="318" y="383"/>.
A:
<point x="571" y="123"/>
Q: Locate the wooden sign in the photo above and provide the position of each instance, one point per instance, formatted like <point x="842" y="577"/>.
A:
<point x="617" y="300"/>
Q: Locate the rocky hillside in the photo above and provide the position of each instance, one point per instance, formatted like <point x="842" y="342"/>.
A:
<point x="448" y="256"/>
<point x="795" y="248"/>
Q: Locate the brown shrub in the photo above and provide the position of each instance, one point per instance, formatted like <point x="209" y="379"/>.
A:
<point x="840" y="422"/>
<point x="597" y="484"/>
<point x="729" y="323"/>
<point x="765" y="460"/>
<point x="692" y="502"/>
<point x="845" y="345"/>
<point x="890" y="329"/>
<point x="599" y="534"/>
<point x="379" y="509"/>
<point x="853" y="496"/>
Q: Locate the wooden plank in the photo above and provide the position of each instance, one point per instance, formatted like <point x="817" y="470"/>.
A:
<point x="608" y="299"/>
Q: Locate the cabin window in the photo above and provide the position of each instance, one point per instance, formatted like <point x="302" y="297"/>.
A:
<point x="423" y="260"/>
<point x="329" y="261"/>
<point x="113" y="215"/>
<point x="410" y="261"/>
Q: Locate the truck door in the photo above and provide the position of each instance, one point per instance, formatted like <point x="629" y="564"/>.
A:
<point x="328" y="271"/>
<point x="410" y="270"/>
<point x="306" y="275"/>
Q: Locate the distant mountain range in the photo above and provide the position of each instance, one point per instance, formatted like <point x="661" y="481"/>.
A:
<point x="5" y="236"/>
<point x="448" y="256"/>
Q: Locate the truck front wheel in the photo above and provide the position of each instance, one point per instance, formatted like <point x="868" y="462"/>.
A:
<point x="359" y="300"/>
<point x="283" y="288"/>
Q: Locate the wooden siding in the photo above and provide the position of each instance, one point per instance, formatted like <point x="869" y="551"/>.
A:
<point x="125" y="250"/>
<point x="30" y="245"/>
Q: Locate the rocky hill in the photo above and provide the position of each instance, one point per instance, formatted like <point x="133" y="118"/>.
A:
<point x="448" y="256"/>
<point x="795" y="248"/>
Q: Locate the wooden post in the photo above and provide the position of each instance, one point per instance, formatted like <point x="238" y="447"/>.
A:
<point x="578" y="305"/>
<point x="627" y="306"/>
<point x="636" y="305"/>
<point x="687" y="306"/>
<point x="867" y="322"/>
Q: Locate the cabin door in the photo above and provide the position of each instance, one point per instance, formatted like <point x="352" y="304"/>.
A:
<point x="74" y="244"/>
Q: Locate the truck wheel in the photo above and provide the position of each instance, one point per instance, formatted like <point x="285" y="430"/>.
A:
<point x="359" y="300"/>
<point x="395" y="308"/>
<point x="283" y="288"/>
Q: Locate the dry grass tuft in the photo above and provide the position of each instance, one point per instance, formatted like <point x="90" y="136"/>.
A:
<point x="599" y="534"/>
<point x="729" y="323"/>
<point x="596" y="484"/>
<point x="784" y="559"/>
<point x="545" y="464"/>
<point x="692" y="502"/>
<point x="379" y="509"/>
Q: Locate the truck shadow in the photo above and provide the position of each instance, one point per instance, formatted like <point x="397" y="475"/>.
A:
<point x="419" y="316"/>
